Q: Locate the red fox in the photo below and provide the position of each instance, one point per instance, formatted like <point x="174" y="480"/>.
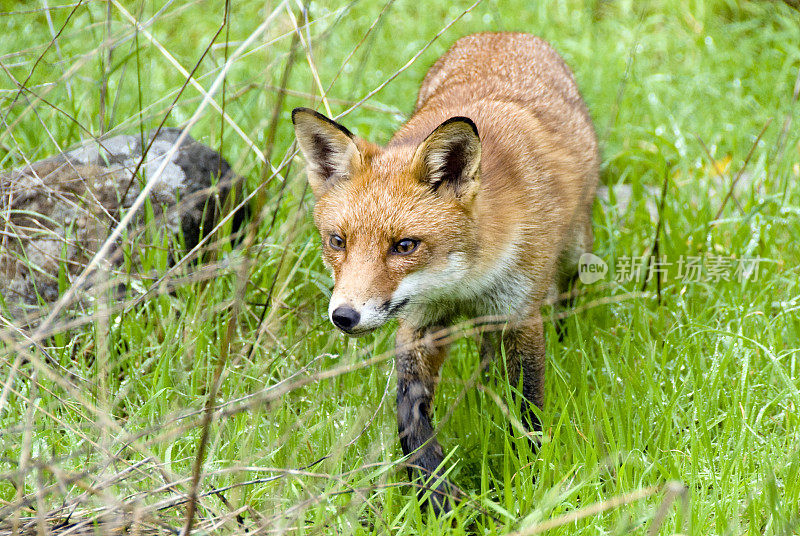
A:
<point x="479" y="205"/>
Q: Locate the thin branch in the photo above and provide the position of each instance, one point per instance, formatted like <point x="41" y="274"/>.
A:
<point x="741" y="171"/>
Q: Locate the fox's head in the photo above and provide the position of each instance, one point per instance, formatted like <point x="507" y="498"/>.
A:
<point x="397" y="224"/>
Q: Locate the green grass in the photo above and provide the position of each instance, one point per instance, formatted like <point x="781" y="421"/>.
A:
<point x="700" y="385"/>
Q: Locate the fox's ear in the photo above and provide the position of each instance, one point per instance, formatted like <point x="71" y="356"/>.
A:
<point x="450" y="158"/>
<point x="329" y="148"/>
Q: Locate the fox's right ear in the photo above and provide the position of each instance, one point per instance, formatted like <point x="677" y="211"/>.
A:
<point x="329" y="149"/>
<point x="450" y="157"/>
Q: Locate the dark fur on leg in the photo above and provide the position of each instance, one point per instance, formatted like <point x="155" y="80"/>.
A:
<point x="418" y="362"/>
<point x="417" y="439"/>
<point x="525" y="354"/>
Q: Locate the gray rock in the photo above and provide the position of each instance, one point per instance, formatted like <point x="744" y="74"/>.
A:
<point x="58" y="212"/>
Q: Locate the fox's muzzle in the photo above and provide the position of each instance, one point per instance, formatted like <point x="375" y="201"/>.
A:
<point x="357" y="318"/>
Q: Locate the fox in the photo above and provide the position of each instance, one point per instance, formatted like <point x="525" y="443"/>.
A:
<point x="480" y="205"/>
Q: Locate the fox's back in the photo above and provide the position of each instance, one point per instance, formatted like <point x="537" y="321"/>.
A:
<point x="504" y="66"/>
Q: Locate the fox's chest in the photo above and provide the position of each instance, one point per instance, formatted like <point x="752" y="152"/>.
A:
<point x="502" y="292"/>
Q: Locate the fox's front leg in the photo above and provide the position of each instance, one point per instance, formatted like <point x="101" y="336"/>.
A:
<point x="525" y="355"/>
<point x="419" y="359"/>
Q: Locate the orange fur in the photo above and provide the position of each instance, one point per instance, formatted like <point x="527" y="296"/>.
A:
<point x="493" y="177"/>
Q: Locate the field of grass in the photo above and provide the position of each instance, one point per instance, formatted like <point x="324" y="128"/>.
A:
<point x="228" y="397"/>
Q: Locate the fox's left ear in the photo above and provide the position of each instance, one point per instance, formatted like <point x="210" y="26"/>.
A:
<point x="450" y="158"/>
<point x="329" y="149"/>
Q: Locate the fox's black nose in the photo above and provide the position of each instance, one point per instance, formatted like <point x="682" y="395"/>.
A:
<point x="345" y="318"/>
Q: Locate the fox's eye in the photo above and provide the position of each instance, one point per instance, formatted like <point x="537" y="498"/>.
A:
<point x="405" y="246"/>
<point x="336" y="242"/>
